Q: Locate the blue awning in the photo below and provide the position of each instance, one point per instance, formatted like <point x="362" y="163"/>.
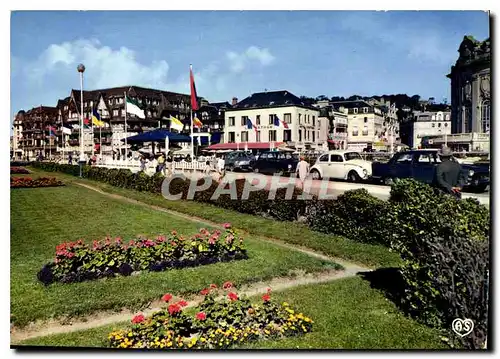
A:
<point x="158" y="135"/>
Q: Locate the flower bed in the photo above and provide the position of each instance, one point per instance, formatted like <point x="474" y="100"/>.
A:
<point x="215" y="324"/>
<point x="28" y="182"/>
<point x="19" y="171"/>
<point x="77" y="261"/>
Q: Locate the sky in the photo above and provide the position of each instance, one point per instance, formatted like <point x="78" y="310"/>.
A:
<point x="234" y="54"/>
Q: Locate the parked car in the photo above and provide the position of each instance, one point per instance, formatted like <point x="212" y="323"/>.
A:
<point x="421" y="165"/>
<point x="271" y="162"/>
<point x="346" y="165"/>
<point x="238" y="160"/>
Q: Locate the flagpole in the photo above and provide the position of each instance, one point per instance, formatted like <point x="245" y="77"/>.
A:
<point x="126" y="148"/>
<point x="92" y="130"/>
<point x="191" y="113"/>
<point x="100" y="133"/>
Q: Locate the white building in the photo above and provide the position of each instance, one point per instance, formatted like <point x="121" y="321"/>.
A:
<point x="333" y="127"/>
<point x="365" y="125"/>
<point x="268" y="119"/>
<point x="429" y="124"/>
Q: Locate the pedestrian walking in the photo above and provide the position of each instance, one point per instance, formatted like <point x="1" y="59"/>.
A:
<point x="220" y="167"/>
<point x="70" y="159"/>
<point x="143" y="163"/>
<point x="449" y="176"/>
<point x="302" y="170"/>
<point x="161" y="164"/>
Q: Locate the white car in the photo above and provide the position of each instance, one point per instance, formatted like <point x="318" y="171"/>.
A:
<point x="347" y="165"/>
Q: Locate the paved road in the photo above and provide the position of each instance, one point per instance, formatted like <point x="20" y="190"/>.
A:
<point x="332" y="189"/>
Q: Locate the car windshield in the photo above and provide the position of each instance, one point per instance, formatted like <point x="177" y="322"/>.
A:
<point x="352" y="156"/>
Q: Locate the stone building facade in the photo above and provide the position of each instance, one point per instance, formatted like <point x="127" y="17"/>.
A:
<point x="471" y="95"/>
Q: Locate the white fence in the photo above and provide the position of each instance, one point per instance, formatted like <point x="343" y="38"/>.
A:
<point x="134" y="165"/>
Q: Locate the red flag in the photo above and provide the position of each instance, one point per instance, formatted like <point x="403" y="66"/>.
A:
<point x="285" y="125"/>
<point x="194" y="96"/>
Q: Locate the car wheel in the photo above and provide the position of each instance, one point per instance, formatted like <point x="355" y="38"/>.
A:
<point x="388" y="181"/>
<point x="353" y="176"/>
<point x="480" y="188"/>
<point x="315" y="175"/>
<point x="256" y="170"/>
<point x="231" y="168"/>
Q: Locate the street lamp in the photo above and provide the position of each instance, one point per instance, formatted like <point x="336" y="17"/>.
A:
<point x="81" y="70"/>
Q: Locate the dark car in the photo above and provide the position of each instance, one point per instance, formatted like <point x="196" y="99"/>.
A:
<point x="238" y="160"/>
<point x="271" y="162"/>
<point x="421" y="165"/>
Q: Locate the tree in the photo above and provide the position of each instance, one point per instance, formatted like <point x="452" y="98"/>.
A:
<point x="321" y="98"/>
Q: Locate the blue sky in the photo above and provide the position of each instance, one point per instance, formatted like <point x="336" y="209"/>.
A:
<point x="237" y="53"/>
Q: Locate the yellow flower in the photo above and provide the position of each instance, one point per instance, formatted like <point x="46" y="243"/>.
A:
<point x="267" y="331"/>
<point x="285" y="304"/>
<point x="130" y="334"/>
<point x="169" y="344"/>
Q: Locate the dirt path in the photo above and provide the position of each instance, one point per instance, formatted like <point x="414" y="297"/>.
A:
<point x="57" y="326"/>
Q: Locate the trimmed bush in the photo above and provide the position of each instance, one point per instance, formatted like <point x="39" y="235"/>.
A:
<point x="355" y="214"/>
<point x="444" y="246"/>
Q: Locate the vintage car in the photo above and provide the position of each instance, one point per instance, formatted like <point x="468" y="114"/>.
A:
<point x="346" y="165"/>
<point x="239" y="160"/>
<point x="271" y="162"/>
<point x="421" y="165"/>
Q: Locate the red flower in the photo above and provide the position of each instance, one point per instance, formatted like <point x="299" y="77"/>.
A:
<point x="182" y="303"/>
<point x="201" y="316"/>
<point x="205" y="291"/>
<point x="174" y="308"/>
<point x="226" y="225"/>
<point x="232" y="296"/>
<point x="213" y="286"/>
<point x="167" y="297"/>
<point x="227" y="285"/>
<point x="266" y="297"/>
<point x="138" y="319"/>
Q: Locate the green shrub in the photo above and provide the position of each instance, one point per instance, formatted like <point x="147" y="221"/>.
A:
<point x="444" y="246"/>
<point x="355" y="214"/>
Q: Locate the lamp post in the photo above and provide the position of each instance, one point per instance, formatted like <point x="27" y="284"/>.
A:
<point x="81" y="70"/>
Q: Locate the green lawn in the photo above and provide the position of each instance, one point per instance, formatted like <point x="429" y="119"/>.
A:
<point x="43" y="218"/>
<point x="347" y="314"/>
<point x="294" y="233"/>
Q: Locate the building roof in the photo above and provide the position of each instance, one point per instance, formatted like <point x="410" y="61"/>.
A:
<point x="351" y="104"/>
<point x="270" y="99"/>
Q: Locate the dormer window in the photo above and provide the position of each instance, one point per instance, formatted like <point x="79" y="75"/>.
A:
<point x="355" y="110"/>
<point x="365" y="109"/>
<point x="271" y="103"/>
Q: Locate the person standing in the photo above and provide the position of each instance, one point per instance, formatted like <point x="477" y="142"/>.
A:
<point x="220" y="166"/>
<point x="70" y="159"/>
<point x="170" y="164"/>
<point x="143" y="163"/>
<point x="449" y="176"/>
<point x="302" y="170"/>
<point x="161" y="164"/>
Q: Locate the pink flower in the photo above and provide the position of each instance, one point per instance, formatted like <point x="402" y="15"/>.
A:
<point x="232" y="296"/>
<point x="268" y="290"/>
<point x="205" y="291"/>
<point x="166" y="297"/>
<point x="160" y="239"/>
<point x="226" y="225"/>
<point x="138" y="319"/>
<point x="182" y="303"/>
<point x="174" y="308"/>
<point x="227" y="285"/>
<point x="213" y="286"/>
<point x="201" y="316"/>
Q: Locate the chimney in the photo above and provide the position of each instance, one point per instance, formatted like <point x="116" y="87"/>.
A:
<point x="235" y="101"/>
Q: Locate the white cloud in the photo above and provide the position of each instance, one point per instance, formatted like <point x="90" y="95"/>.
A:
<point x="238" y="62"/>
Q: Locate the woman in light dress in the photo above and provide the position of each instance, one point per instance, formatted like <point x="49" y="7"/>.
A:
<point x="302" y="170"/>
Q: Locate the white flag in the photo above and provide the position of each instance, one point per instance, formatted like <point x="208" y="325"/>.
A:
<point x="66" y="130"/>
<point x="134" y="109"/>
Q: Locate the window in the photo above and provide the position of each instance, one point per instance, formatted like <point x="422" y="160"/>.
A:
<point x="231" y="137"/>
<point x="65" y="108"/>
<point x="272" y="135"/>
<point x="404" y="158"/>
<point x="271" y="119"/>
<point x="446" y="124"/>
<point x="352" y="156"/>
<point x="257" y="136"/>
<point x="231" y="121"/>
<point x="257" y="120"/>
<point x="365" y="130"/>
<point x="313" y="136"/>
<point x="244" y="120"/>
<point x="355" y="130"/>
<point x="323" y="158"/>
<point x="110" y="101"/>
<point x="336" y="158"/>
<point x="244" y="136"/>
<point x="366" y="119"/>
<point x="439" y="124"/>
<point x="365" y="109"/>
<point x="355" y="110"/>
<point x="485" y="117"/>
<point x="287" y="135"/>
<point x="120" y="100"/>
<point x="115" y="113"/>
<point x="314" y="121"/>
<point x="300" y="115"/>
<point x="287" y="117"/>
<point x="424" y="158"/>
<point x="300" y="135"/>
<point x="433" y="125"/>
